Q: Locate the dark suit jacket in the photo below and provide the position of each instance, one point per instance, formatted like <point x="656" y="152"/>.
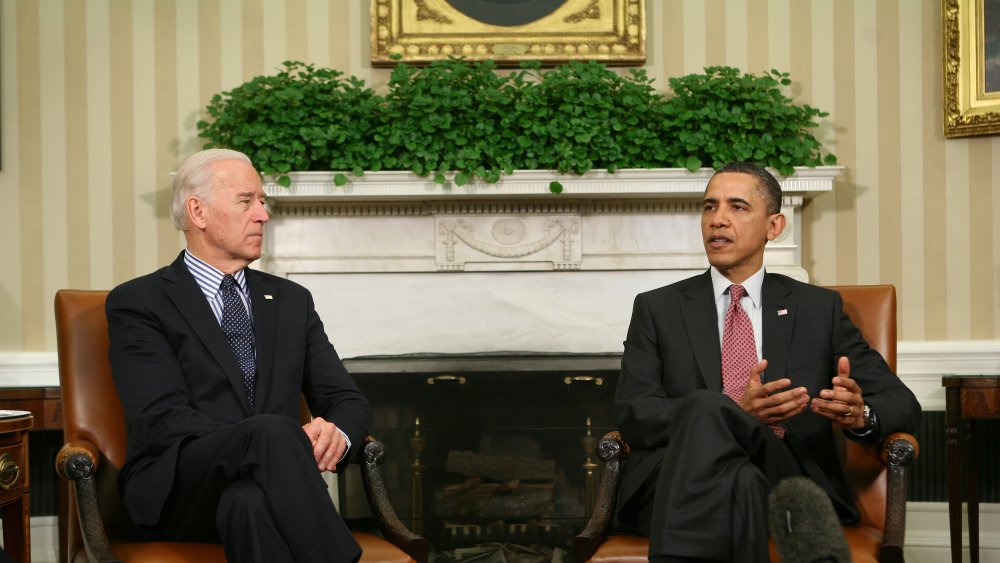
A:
<point x="673" y="349"/>
<point x="178" y="379"/>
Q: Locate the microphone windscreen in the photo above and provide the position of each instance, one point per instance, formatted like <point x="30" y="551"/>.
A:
<point x="804" y="524"/>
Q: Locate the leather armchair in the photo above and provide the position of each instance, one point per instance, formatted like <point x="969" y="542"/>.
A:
<point x="877" y="475"/>
<point x="94" y="431"/>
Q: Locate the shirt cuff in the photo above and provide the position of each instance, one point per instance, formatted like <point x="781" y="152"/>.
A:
<point x="346" y="450"/>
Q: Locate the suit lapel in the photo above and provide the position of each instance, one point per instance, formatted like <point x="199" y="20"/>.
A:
<point x="183" y="290"/>
<point x="264" y="303"/>
<point x="702" y="325"/>
<point x="778" y="310"/>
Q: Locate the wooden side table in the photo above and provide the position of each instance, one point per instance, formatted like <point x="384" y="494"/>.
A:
<point x="967" y="398"/>
<point x="15" y="505"/>
<point x="45" y="405"/>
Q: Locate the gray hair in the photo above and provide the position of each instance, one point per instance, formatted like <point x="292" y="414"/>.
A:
<point x="194" y="178"/>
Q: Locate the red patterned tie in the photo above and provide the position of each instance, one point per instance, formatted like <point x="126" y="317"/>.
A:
<point x="739" y="353"/>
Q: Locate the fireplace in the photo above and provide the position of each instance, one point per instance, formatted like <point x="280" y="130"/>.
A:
<point x="485" y="325"/>
<point x="489" y="448"/>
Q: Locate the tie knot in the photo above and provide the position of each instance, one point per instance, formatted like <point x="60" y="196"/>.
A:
<point x="736" y="292"/>
<point x="228" y="283"/>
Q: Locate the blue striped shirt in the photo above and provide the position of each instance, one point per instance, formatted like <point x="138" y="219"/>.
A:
<point x="210" y="279"/>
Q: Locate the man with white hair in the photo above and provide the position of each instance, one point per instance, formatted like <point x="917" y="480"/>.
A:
<point x="210" y="359"/>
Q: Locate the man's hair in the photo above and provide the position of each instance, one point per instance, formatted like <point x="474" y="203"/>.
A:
<point x="194" y="178"/>
<point x="766" y="182"/>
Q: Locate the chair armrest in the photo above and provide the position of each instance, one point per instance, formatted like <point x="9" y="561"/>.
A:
<point x="394" y="530"/>
<point x="77" y="462"/>
<point x="612" y="451"/>
<point x="898" y="450"/>
<point x="77" y="459"/>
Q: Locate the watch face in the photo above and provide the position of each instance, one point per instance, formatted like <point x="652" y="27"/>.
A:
<point x="869" y="417"/>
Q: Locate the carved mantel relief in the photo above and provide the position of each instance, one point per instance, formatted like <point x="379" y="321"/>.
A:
<point x="494" y="241"/>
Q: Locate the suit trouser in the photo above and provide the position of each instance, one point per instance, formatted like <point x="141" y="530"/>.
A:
<point x="710" y="496"/>
<point x="255" y="485"/>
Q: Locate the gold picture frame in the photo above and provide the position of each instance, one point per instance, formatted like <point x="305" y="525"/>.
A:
<point x="971" y="67"/>
<point x="552" y="31"/>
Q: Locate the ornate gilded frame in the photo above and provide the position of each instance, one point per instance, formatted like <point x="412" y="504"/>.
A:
<point x="969" y="109"/>
<point x="421" y="31"/>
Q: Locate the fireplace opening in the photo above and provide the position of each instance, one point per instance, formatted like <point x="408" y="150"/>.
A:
<point x="490" y="457"/>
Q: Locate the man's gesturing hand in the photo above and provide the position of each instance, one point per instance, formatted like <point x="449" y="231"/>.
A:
<point x="767" y="402"/>
<point x="843" y="404"/>
<point x="328" y="443"/>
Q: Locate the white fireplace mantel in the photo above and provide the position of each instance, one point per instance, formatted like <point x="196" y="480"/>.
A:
<point x="673" y="183"/>
<point x="401" y="265"/>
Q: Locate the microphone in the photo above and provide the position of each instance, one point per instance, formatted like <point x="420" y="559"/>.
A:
<point x="804" y="524"/>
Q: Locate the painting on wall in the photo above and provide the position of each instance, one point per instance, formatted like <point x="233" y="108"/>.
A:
<point x="991" y="45"/>
<point x="508" y="31"/>
<point x="971" y="67"/>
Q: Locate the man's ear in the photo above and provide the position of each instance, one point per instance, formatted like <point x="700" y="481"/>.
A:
<point x="776" y="224"/>
<point x="196" y="212"/>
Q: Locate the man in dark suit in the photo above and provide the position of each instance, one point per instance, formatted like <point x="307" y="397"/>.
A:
<point x="210" y="359"/>
<point x="721" y="398"/>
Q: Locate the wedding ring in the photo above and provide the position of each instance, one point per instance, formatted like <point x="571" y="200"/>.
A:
<point x="850" y="413"/>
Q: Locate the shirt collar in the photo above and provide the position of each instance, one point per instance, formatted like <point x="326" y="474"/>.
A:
<point x="208" y="277"/>
<point x="752" y="285"/>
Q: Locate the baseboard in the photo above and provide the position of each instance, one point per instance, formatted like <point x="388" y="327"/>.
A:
<point x="928" y="539"/>
<point x="44" y="539"/>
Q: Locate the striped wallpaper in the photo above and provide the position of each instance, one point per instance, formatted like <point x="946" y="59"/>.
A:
<point x="100" y="99"/>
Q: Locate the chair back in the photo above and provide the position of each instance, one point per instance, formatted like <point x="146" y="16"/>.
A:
<point x="872" y="308"/>
<point x="91" y="409"/>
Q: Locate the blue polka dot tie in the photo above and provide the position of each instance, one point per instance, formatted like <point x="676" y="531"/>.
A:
<point x="236" y="325"/>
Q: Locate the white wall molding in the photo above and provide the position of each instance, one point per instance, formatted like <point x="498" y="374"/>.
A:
<point x="920" y="365"/>
<point x="29" y="369"/>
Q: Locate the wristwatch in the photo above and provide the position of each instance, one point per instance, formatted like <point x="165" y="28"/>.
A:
<point x="871" y="421"/>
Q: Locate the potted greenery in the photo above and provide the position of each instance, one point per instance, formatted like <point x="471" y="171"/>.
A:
<point x="457" y="121"/>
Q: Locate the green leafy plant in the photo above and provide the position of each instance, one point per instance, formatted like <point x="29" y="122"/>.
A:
<point x="301" y="118"/>
<point x="582" y="115"/>
<point x="449" y="117"/>
<point x="456" y="121"/>
<point x="723" y="115"/>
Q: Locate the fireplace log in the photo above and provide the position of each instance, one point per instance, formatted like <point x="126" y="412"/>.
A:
<point x="493" y="504"/>
<point x="500" y="468"/>
<point x="475" y="486"/>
